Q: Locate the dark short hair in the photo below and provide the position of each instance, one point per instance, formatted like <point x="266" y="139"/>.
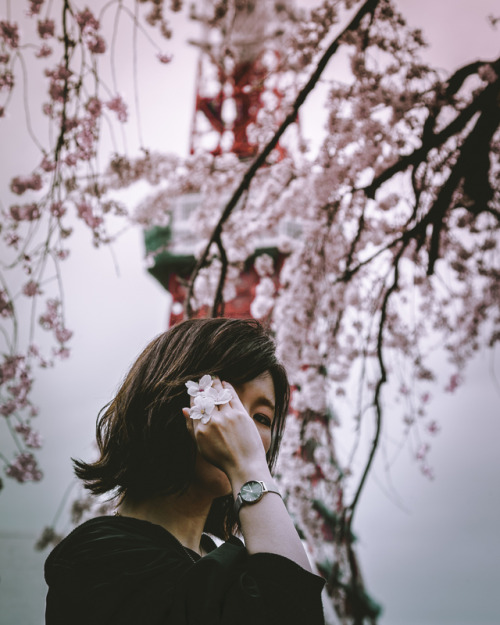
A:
<point x="145" y="447"/>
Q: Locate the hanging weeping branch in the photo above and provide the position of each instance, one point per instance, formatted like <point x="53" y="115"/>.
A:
<point x="367" y="8"/>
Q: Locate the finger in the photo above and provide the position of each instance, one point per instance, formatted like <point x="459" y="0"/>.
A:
<point x="216" y="383"/>
<point x="189" y="421"/>
<point x="235" y="402"/>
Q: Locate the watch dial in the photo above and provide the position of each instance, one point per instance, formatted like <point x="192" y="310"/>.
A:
<point x="251" y="491"/>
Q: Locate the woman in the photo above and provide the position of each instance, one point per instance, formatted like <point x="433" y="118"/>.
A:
<point x="187" y="447"/>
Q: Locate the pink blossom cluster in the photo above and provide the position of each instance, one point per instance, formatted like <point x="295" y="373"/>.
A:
<point x="52" y="320"/>
<point x="59" y="84"/>
<point x="21" y="184"/>
<point x="156" y="16"/>
<point x="25" y="212"/>
<point x="118" y="105"/>
<point x="43" y="51"/>
<point x="46" y="28"/>
<point x="89" y="27"/>
<point x="31" y="437"/>
<point x="16" y="382"/>
<point x="74" y="106"/>
<point x="9" y="34"/>
<point x="32" y="288"/>
<point x="48" y="537"/>
<point x="6" y="81"/>
<point x="6" y="308"/>
<point x="24" y="469"/>
<point x="86" y="212"/>
<point x="164" y="58"/>
<point x="35" y="7"/>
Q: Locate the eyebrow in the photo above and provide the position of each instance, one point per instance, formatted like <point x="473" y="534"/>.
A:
<point x="264" y="401"/>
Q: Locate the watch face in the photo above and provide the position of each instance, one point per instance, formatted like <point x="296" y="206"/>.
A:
<point x="251" y="491"/>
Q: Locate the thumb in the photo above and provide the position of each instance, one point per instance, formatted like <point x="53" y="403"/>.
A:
<point x="189" y="421"/>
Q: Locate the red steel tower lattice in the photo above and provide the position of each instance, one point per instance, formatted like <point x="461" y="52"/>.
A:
<point x="237" y="84"/>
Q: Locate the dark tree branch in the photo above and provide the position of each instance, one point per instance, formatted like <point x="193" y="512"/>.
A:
<point x="218" y="307"/>
<point x="67" y="44"/>
<point x="431" y="140"/>
<point x="368" y="7"/>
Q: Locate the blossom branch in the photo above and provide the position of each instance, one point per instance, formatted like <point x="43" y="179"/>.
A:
<point x="368" y="7"/>
<point x="431" y="140"/>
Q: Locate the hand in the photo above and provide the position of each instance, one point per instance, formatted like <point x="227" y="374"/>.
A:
<point x="230" y="440"/>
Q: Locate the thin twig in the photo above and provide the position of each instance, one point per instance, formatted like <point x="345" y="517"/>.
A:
<point x="377" y="399"/>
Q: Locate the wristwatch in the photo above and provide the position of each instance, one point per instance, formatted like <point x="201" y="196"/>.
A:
<point x="251" y="492"/>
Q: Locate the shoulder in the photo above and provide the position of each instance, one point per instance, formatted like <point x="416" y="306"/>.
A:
<point x="121" y="544"/>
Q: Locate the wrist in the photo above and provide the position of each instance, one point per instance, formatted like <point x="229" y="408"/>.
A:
<point x="241" y="475"/>
<point x="252" y="492"/>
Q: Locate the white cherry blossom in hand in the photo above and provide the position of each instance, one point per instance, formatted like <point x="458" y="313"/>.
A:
<point x="206" y="398"/>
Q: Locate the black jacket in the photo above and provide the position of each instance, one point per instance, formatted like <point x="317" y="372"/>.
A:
<point x="119" y="570"/>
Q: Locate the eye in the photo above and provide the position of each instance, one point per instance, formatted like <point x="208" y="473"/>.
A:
<point x="262" y="418"/>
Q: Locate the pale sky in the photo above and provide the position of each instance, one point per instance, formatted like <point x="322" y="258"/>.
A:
<point x="430" y="551"/>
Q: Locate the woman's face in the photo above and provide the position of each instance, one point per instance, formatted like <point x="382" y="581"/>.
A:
<point x="258" y="399"/>
<point x="257" y="396"/>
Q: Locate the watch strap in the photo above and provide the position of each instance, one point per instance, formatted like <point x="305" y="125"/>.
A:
<point x="239" y="501"/>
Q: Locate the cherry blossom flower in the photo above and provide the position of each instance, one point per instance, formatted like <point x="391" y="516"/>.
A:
<point x="50" y="319"/>
<point x="433" y="427"/>
<point x="35" y="7"/>
<point x="428" y="471"/>
<point x="46" y="164"/>
<point x="24" y="469"/>
<point x="94" y="107"/>
<point x="62" y="254"/>
<point x="264" y="265"/>
<point x="46" y="28"/>
<point x="12" y="239"/>
<point x="203" y="407"/>
<point x="422" y="451"/>
<point x="26" y="212"/>
<point x="453" y="383"/>
<point x="9" y="33"/>
<point x="57" y="209"/>
<point x="206" y="397"/>
<point x="48" y="537"/>
<point x="31" y="289"/>
<point x="62" y="352"/>
<point x="6" y="80"/>
<point x="43" y="51"/>
<point x="31" y="438"/>
<point x="117" y="105"/>
<point x="221" y="397"/>
<point x="63" y="334"/>
<point x="86" y="20"/>
<point x="197" y="388"/>
<point x="8" y="407"/>
<point x="20" y="184"/>
<point x="10" y="367"/>
<point x="96" y="44"/>
<point x="6" y="308"/>
<point x="86" y="213"/>
<point x="164" y="58"/>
